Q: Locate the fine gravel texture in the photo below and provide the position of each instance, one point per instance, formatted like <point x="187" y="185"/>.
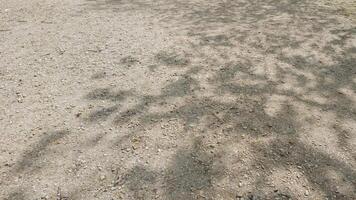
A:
<point x="177" y="99"/>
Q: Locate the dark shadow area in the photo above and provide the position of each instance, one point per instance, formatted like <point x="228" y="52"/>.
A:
<point x="182" y="87"/>
<point x="286" y="152"/>
<point x="102" y="114"/>
<point x="172" y="59"/>
<point x="17" y="195"/>
<point x="140" y="181"/>
<point x="192" y="173"/>
<point x="108" y="94"/>
<point x="129" y="61"/>
<point x="30" y="159"/>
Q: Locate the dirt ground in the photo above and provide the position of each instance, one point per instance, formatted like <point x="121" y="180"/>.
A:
<point x="177" y="99"/>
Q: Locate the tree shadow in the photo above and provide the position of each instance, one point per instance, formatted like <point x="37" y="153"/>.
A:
<point x="241" y="55"/>
<point x="285" y="152"/>
<point x="296" y="76"/>
<point x="17" y="195"/>
<point x="190" y="175"/>
<point x="30" y="160"/>
<point x="33" y="160"/>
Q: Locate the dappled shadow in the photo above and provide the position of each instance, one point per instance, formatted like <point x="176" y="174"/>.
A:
<point x="32" y="158"/>
<point x="259" y="81"/>
<point x="129" y="61"/>
<point x="140" y="181"/>
<point x="192" y="173"/>
<point x="107" y="94"/>
<point x="17" y="195"/>
<point x="289" y="151"/>
<point x="268" y="73"/>
<point x="172" y="59"/>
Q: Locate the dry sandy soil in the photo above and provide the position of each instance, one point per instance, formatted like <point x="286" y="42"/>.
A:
<point x="177" y="99"/>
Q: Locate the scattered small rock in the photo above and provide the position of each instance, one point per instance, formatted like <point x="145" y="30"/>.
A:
<point x="102" y="177"/>
<point x="306" y="193"/>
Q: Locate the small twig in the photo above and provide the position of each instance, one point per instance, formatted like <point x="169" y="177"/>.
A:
<point x="46" y="22"/>
<point x="46" y="54"/>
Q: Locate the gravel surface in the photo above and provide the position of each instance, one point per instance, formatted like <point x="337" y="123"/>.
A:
<point x="177" y="99"/>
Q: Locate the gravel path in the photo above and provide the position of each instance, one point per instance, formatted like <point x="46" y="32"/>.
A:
<point x="177" y="99"/>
